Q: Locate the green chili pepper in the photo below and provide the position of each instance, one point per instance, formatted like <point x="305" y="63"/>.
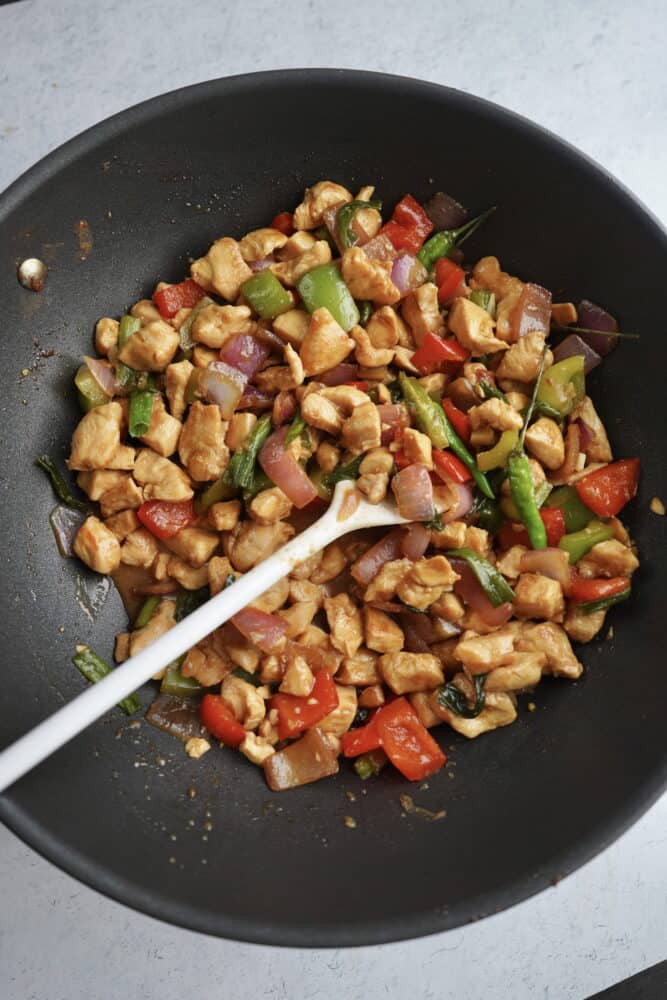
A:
<point x="185" y="332"/>
<point x="217" y="492"/>
<point x="344" y="217"/>
<point x="175" y="683"/>
<point x="260" y="482"/>
<point x="540" y="492"/>
<point x="442" y="244"/>
<point x="523" y="495"/>
<point x="141" y="410"/>
<point x="324" y="288"/>
<point x="365" y="311"/>
<point x="298" y="427"/>
<point x="241" y="469"/>
<point x="590" y="607"/>
<point x="247" y="677"/>
<point x="577" y="514"/>
<point x="562" y="385"/>
<point x="316" y="476"/>
<point x="492" y="392"/>
<point x="369" y="765"/>
<point x="266" y="295"/>
<point x="578" y="543"/>
<point x="349" y="470"/>
<point x="452" y="697"/>
<point x="486" y="514"/>
<point x="188" y="601"/>
<point x="89" y="392"/>
<point x="494" y="585"/>
<point x="545" y="410"/>
<point x="146" y="613"/>
<point x="496" y="457"/>
<point x="94" y="668"/>
<point x="60" y="487"/>
<point x="486" y="300"/>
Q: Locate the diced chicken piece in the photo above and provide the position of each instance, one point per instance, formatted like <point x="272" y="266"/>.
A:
<point x="213" y="324"/>
<point x="188" y="577"/>
<point x="97" y="547"/>
<point x="277" y="378"/>
<point x="194" y="545"/>
<point x="256" y="748"/>
<point x="345" y="623"/>
<point x="381" y="632"/>
<point x="298" y="678"/>
<point x="219" y="570"/>
<point x="259" y="243"/>
<point x="473" y="328"/>
<point x="96" y="484"/>
<point x="509" y="564"/>
<point x="499" y="710"/>
<point x="360" y="669"/>
<point x="202" y="357"/>
<point x="386" y="329"/>
<point x="331" y="564"/>
<point x="377" y="460"/>
<point x="270" y="506"/>
<point x="139" y="549"/>
<point x="225" y="515"/>
<point x="289" y="271"/>
<point x="123" y="458"/>
<point x="342" y="717"/>
<point x="298" y="617"/>
<point x="383" y="586"/>
<point x="327" y="455"/>
<point x="255" y="542"/>
<point x="121" y="647"/>
<point x="421" y="312"/>
<point x="245" y="701"/>
<point x="374" y="486"/>
<point x="481" y="653"/>
<point x="611" y="558"/>
<point x="196" y="747"/>
<point x="521" y="671"/>
<point x="201" y="447"/>
<point x="449" y="607"/>
<point x="268" y="727"/>
<point x="208" y="661"/>
<point x="145" y="310"/>
<point x="478" y="540"/>
<point x="164" y="430"/>
<point x="106" y="335"/>
<point x="371" y="696"/>
<point x="551" y="640"/>
<point x="321" y="413"/>
<point x="292" y="326"/>
<point x="310" y="213"/>
<point x="406" y="672"/>
<point x="450" y="536"/>
<point x="597" y="449"/>
<point x="563" y="313"/>
<point x="298" y="243"/>
<point x="495" y="413"/>
<point x="304" y="590"/>
<point x="522" y="361"/>
<point x="544" y="441"/>
<point x="239" y="428"/>
<point x="274" y="597"/>
<point x="538" y="597"/>
<point x="175" y="380"/>
<point x="368" y="355"/>
<point x="426" y="581"/>
<point x="222" y="270"/>
<point x="294" y="364"/>
<point x="160" y="622"/>
<point x="418" y="447"/>
<point x="487" y="274"/>
<point x="325" y="344"/>
<point x="369" y="279"/>
<point x="362" y="431"/>
<point x="582" y="627"/>
<point x="241" y="651"/>
<point x="151" y="348"/>
<point x="161" y="478"/>
<point x="345" y="397"/>
<point x="122" y="524"/>
<point x="96" y="438"/>
<point x="421" y="702"/>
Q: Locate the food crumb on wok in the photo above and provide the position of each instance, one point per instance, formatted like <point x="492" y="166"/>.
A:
<point x="657" y="506"/>
<point x="350" y="822"/>
<point x="339" y="343"/>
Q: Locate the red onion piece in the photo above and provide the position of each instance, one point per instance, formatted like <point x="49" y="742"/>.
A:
<point x="575" y="344"/>
<point x="470" y="590"/>
<point x="65" y="523"/>
<point x="393" y="419"/>
<point x="270" y="340"/>
<point x="593" y="317"/>
<point x="418" y="631"/>
<point x="415" y="541"/>
<point x="103" y="374"/>
<point x="283" y="469"/>
<point x="339" y="375"/>
<point x="463" y="501"/>
<point x="255" y="399"/>
<point x="445" y="212"/>
<point x="550" y="562"/>
<point x="245" y="353"/>
<point x="223" y="385"/>
<point x="413" y="490"/>
<point x="370" y="562"/>
<point x="261" y="265"/>
<point x="585" y="433"/>
<point x="532" y="311"/>
<point x="408" y="273"/>
<point x="264" y="630"/>
<point x="380" y="248"/>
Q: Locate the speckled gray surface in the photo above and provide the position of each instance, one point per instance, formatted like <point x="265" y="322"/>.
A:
<point x="596" y="74"/>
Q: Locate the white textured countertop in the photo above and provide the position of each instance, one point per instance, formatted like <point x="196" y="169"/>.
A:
<point x="596" y="74"/>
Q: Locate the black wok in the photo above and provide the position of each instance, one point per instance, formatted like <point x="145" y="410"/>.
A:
<point x="526" y="805"/>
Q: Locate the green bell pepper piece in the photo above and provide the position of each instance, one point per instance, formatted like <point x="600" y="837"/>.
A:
<point x="496" y="457"/>
<point x="266" y="295"/>
<point x="577" y="514"/>
<point x="89" y="392"/>
<point x="185" y="332"/>
<point x="578" y="543"/>
<point x="487" y="515"/>
<point x="589" y="607"/>
<point x="442" y="244"/>
<point x="324" y="288"/>
<point x="563" y="385"/>
<point x="94" y="668"/>
<point x="175" y="683"/>
<point x="494" y="585"/>
<point x="486" y="300"/>
<point x="365" y="311"/>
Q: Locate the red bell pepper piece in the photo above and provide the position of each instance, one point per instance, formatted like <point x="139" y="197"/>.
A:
<point x="451" y="466"/>
<point x="583" y="590"/>
<point x="284" y="223"/>
<point x="434" y="351"/>
<point x="409" y="225"/>
<point x="220" y="721"/>
<point x="406" y="742"/>
<point x="606" y="491"/>
<point x="361" y="740"/>
<point x="448" y="277"/>
<point x="296" y="713"/>
<point x="553" y="519"/>
<point x="174" y="297"/>
<point x="165" y="518"/>
<point x="401" y="459"/>
<point x="362" y="386"/>
<point x="457" y="418"/>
